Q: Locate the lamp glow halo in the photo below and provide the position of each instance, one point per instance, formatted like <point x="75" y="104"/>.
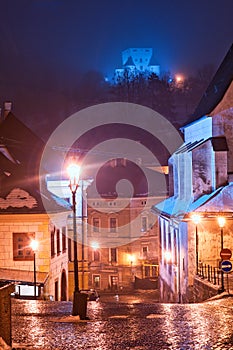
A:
<point x="78" y="124"/>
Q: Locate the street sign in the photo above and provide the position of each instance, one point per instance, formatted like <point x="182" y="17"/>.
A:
<point x="226" y="266"/>
<point x="225" y="254"/>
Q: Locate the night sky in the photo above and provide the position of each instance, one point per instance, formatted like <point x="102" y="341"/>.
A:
<point x="57" y="40"/>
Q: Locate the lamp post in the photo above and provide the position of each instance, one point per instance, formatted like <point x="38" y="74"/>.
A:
<point x="196" y="220"/>
<point x="132" y="261"/>
<point x="79" y="299"/>
<point x="34" y="246"/>
<point x="221" y="223"/>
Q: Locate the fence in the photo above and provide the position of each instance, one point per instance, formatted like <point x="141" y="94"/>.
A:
<point x="212" y="272"/>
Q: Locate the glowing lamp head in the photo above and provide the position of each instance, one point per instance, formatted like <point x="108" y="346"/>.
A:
<point x="221" y="221"/>
<point x="132" y="259"/>
<point x="34" y="245"/>
<point x="179" y="78"/>
<point x="196" y="219"/>
<point x="168" y="256"/>
<point x="95" y="245"/>
<point x="73" y="171"/>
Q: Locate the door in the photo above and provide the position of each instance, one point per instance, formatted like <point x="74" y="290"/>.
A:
<point x="63" y="286"/>
<point x="114" y="282"/>
<point x="56" y="291"/>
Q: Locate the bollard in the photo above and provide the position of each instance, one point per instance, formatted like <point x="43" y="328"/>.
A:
<point x="80" y="305"/>
<point x="5" y="312"/>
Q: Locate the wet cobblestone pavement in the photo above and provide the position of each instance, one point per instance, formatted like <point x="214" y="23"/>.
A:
<point x="127" y="322"/>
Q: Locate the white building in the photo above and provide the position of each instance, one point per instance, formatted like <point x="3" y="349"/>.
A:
<point x="200" y="174"/>
<point x="136" y="61"/>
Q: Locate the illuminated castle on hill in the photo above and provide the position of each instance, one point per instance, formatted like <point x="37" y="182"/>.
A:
<point x="137" y="60"/>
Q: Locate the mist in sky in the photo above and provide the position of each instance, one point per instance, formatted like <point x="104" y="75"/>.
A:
<point x="47" y="43"/>
<point x="91" y="34"/>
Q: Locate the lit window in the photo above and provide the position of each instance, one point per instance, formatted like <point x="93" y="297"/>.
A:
<point x="96" y="280"/>
<point x="21" y="246"/>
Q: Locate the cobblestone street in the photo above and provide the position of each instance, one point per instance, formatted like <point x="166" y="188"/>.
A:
<point x="123" y="322"/>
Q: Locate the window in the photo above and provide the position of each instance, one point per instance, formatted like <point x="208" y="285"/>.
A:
<point x="56" y="291"/>
<point x="155" y="271"/>
<point x="147" y="271"/>
<point x="171" y="180"/>
<point x="113" y="255"/>
<point x="64" y="239"/>
<point x="144" y="223"/>
<point x="52" y="234"/>
<point x="58" y="242"/>
<point x="96" y="255"/>
<point x="96" y="280"/>
<point x="144" y="252"/>
<point x="69" y="249"/>
<point x="113" y="224"/>
<point x="21" y="246"/>
<point x="175" y="245"/>
<point x="96" y="225"/>
<point x="169" y="241"/>
<point x="164" y="234"/>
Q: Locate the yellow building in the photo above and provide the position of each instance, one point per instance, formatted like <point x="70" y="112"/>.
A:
<point x="23" y="218"/>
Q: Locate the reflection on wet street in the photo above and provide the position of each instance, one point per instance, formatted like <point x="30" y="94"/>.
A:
<point x="124" y="322"/>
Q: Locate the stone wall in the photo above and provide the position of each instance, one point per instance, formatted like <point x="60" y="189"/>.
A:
<point x="5" y="312"/>
<point x="203" y="290"/>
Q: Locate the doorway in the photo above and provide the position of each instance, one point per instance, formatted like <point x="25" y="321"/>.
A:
<point x="114" y="282"/>
<point x="63" y="286"/>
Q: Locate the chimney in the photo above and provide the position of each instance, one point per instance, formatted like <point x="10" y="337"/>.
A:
<point x="7" y="109"/>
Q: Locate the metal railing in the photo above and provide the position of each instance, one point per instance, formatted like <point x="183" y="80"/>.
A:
<point x="209" y="272"/>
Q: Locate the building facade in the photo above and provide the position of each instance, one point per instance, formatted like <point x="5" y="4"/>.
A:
<point x="60" y="187"/>
<point x="23" y="218"/>
<point x="123" y="244"/>
<point x="200" y="186"/>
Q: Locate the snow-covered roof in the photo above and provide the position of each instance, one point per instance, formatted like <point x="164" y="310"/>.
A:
<point x="22" y="191"/>
<point x="221" y="202"/>
<point x="176" y="207"/>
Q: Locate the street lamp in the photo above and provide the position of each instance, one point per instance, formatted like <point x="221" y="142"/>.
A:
<point x="132" y="261"/>
<point x="34" y="247"/>
<point x="95" y="245"/>
<point x="79" y="299"/>
<point x="196" y="220"/>
<point x="221" y="223"/>
<point x="168" y="256"/>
